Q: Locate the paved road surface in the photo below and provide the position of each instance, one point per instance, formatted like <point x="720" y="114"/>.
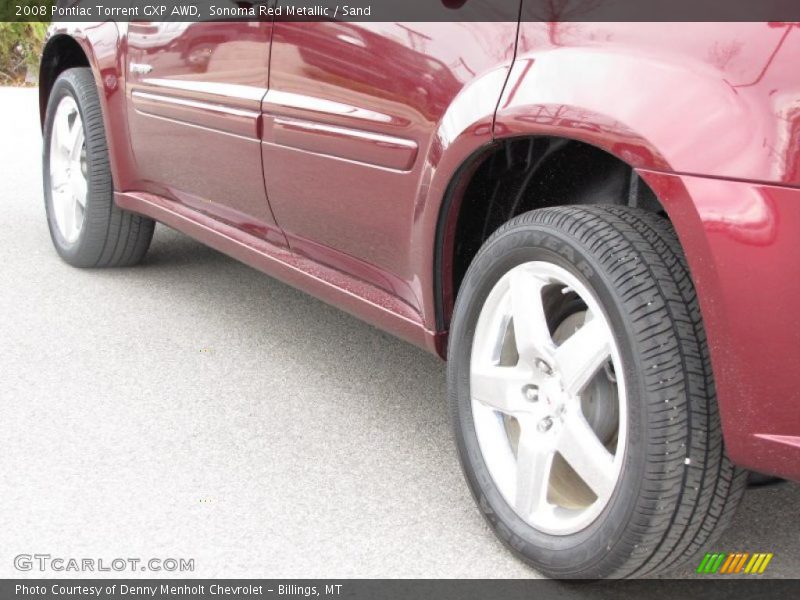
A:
<point x="193" y="407"/>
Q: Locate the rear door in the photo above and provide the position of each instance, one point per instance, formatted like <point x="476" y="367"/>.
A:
<point x="350" y="124"/>
<point x="195" y="92"/>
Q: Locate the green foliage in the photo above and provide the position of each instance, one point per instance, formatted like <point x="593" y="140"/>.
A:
<point x="20" y="49"/>
<point x="19" y="11"/>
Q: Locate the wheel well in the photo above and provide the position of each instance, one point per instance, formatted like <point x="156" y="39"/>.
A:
<point x="61" y="53"/>
<point x="515" y="176"/>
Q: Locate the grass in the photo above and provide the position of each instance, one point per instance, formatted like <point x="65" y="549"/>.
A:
<point x="20" y="49"/>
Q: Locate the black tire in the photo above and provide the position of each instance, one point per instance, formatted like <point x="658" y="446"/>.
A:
<point x="109" y="236"/>
<point x="677" y="490"/>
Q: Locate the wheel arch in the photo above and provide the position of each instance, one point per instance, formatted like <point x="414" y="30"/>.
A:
<point x="557" y="170"/>
<point x="563" y="95"/>
<point x="61" y="52"/>
<point x="629" y="171"/>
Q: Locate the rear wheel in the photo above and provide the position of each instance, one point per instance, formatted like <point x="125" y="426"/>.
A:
<point x="582" y="395"/>
<point x="87" y="228"/>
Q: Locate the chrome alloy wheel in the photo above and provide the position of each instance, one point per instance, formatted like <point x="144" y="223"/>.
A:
<point x="68" y="184"/>
<point x="550" y="409"/>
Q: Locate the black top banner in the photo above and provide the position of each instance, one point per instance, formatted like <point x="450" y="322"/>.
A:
<point x="779" y="11"/>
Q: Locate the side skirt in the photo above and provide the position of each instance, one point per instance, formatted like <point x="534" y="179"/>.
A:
<point x="362" y="300"/>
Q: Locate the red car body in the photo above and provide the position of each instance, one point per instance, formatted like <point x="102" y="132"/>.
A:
<point x="334" y="156"/>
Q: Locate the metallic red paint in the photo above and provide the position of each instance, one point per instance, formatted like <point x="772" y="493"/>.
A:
<point x="194" y="114"/>
<point x="367" y="135"/>
<point x="614" y="85"/>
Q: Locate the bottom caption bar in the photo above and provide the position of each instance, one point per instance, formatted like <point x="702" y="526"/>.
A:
<point x="391" y="589"/>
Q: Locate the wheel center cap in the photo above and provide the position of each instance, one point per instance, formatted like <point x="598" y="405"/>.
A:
<point x="553" y="398"/>
<point x="551" y="393"/>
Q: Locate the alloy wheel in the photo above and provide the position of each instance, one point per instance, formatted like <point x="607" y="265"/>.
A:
<point x="548" y="397"/>
<point x="68" y="169"/>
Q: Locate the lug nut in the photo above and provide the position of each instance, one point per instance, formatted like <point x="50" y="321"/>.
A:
<point x="543" y="367"/>
<point x="531" y="393"/>
<point x="545" y="424"/>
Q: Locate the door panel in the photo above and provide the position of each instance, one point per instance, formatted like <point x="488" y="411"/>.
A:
<point x="349" y="123"/>
<point x="195" y="92"/>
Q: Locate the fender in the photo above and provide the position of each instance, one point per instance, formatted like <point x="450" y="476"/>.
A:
<point x="690" y="100"/>
<point x="564" y="91"/>
<point x="103" y="45"/>
<point x="463" y="135"/>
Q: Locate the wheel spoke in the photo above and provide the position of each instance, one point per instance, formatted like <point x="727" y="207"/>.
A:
<point x="63" y="132"/>
<point x="68" y="215"/>
<point x="534" y="463"/>
<point x="76" y="139"/>
<point x="79" y="211"/>
<point x="531" y="331"/>
<point x="58" y="181"/>
<point x="79" y="187"/>
<point x="500" y="388"/>
<point x="582" y="354"/>
<point x="584" y="452"/>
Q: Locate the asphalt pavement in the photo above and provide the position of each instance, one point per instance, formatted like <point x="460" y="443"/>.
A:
<point x="192" y="407"/>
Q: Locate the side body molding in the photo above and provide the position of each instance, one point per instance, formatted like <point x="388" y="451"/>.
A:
<point x="347" y="143"/>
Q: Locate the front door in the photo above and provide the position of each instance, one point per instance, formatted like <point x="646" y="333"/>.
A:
<point x="194" y="96"/>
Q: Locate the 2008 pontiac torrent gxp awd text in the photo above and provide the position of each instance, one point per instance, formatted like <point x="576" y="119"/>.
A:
<point x="595" y="224"/>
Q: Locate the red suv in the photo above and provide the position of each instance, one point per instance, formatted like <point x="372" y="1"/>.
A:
<point x="597" y="225"/>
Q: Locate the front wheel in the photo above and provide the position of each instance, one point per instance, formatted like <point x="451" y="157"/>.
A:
<point x="582" y="395"/>
<point x="87" y="228"/>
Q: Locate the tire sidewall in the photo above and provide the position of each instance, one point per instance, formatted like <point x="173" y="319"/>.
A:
<point x="592" y="551"/>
